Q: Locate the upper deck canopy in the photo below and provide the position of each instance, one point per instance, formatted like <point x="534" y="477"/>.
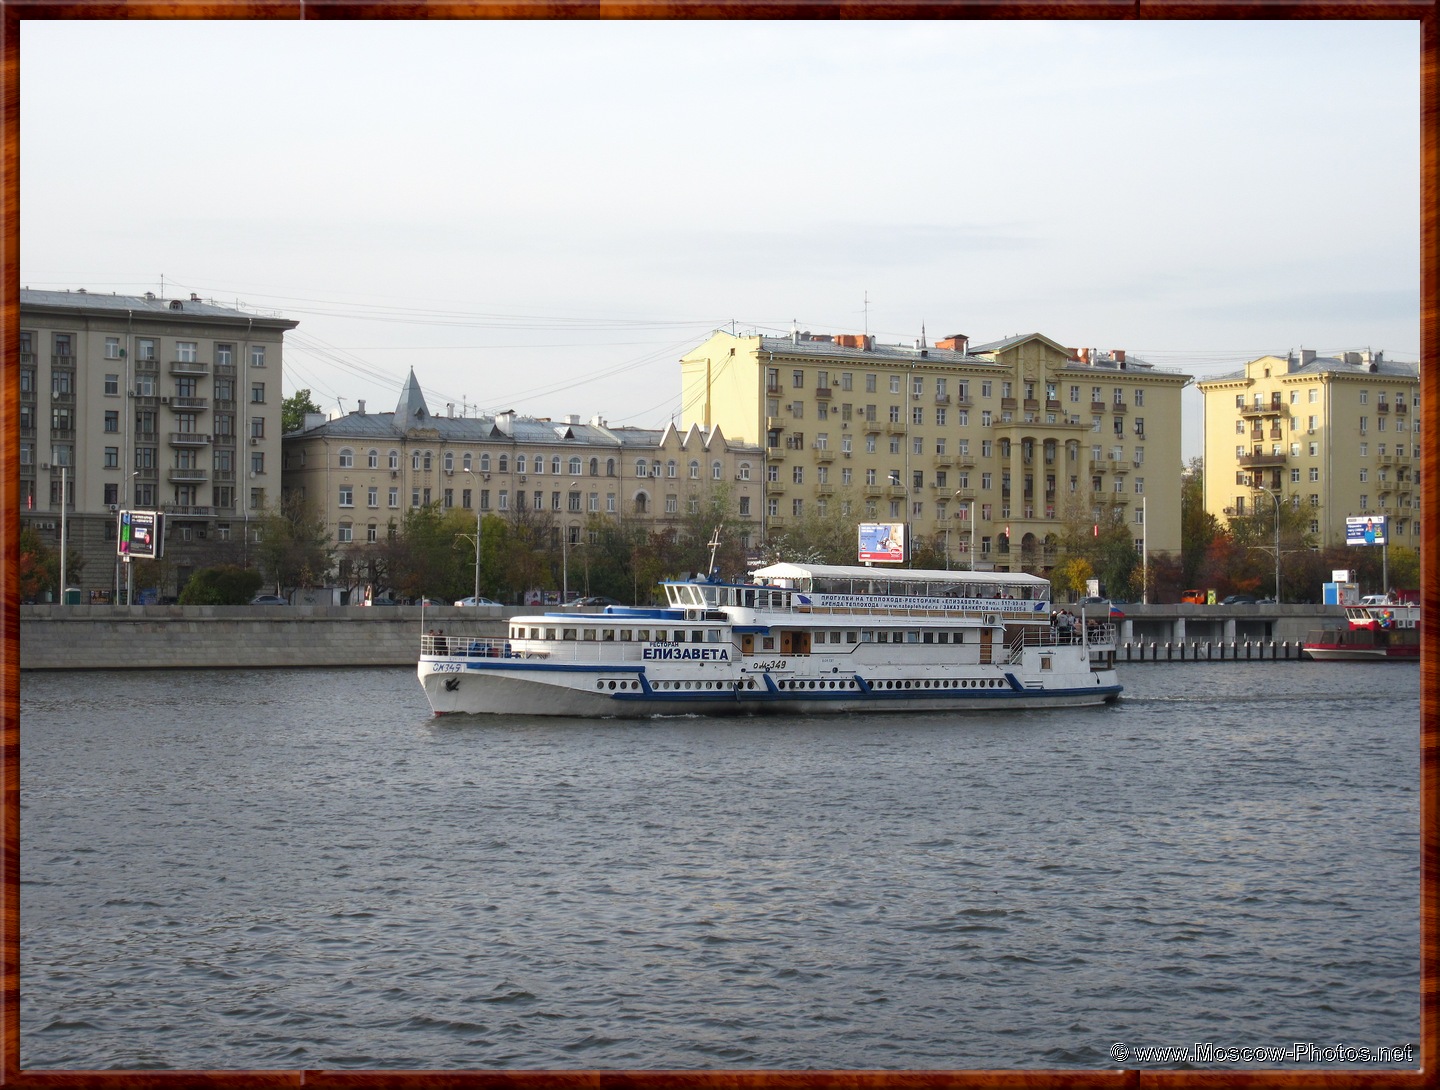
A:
<point x="860" y="580"/>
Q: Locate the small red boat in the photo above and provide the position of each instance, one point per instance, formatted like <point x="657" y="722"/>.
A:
<point x="1369" y="633"/>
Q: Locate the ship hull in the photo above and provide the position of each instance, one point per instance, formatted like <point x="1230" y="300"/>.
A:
<point x="517" y="688"/>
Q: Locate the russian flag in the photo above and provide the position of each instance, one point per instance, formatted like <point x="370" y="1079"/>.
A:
<point x="1116" y="611"/>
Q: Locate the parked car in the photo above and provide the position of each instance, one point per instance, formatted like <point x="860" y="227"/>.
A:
<point x="384" y="602"/>
<point x="1377" y="600"/>
<point x="597" y="601"/>
<point x="269" y="600"/>
<point x="429" y="602"/>
<point x="471" y="600"/>
<point x="1240" y="600"/>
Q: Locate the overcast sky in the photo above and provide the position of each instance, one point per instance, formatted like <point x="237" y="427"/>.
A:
<point x="544" y="216"/>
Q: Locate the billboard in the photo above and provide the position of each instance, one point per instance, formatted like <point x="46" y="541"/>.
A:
<point x="1366" y="529"/>
<point x="883" y="542"/>
<point x="141" y="536"/>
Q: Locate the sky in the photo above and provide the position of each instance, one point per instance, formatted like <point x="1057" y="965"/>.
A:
<point x="544" y="216"/>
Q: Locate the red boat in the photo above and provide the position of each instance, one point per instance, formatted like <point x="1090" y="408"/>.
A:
<point x="1370" y="633"/>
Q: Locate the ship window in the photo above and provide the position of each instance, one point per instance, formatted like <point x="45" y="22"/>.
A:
<point x="851" y="637"/>
<point x="589" y="634"/>
<point x="769" y="642"/>
<point x="626" y="635"/>
<point x="567" y="634"/>
<point x="534" y="633"/>
<point x="712" y="635"/>
<point x="883" y="637"/>
<point x="835" y="636"/>
<point x="929" y="637"/>
<point x="1044" y="662"/>
<point x="678" y="636"/>
<point x="697" y="636"/>
<point x="643" y="635"/>
<point x="897" y="637"/>
<point x="660" y="635"/>
<point x="867" y="636"/>
<point x="944" y="637"/>
<point x="549" y="633"/>
<point x="608" y="634"/>
<point x="912" y="637"/>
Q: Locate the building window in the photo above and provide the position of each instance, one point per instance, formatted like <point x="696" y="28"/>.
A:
<point x="112" y="458"/>
<point x="347" y="458"/>
<point x="347" y="496"/>
<point x="257" y="393"/>
<point x="257" y="462"/>
<point x="257" y="427"/>
<point x="257" y="355"/>
<point x="344" y="533"/>
<point x="372" y="496"/>
<point x="716" y="471"/>
<point x="372" y="534"/>
<point x="394" y="498"/>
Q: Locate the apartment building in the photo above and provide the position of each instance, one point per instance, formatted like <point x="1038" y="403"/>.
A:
<point x="364" y="470"/>
<point x="140" y="402"/>
<point x="1334" y="436"/>
<point x="984" y="449"/>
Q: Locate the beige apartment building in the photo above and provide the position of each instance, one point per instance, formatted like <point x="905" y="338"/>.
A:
<point x="986" y="450"/>
<point x="1335" y="436"/>
<point x="363" y="471"/>
<point x="140" y="402"/>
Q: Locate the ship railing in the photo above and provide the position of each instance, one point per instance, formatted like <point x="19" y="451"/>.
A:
<point x="478" y="647"/>
<point x="1096" y="636"/>
<point x="1010" y="617"/>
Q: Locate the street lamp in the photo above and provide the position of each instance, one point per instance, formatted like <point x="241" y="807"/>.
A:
<point x="1276" y="498"/>
<point x="565" y="555"/>
<point x="476" y="497"/>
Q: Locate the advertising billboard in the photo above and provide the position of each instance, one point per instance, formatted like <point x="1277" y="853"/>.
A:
<point x="883" y="542"/>
<point x="1366" y="529"/>
<point x="141" y="536"/>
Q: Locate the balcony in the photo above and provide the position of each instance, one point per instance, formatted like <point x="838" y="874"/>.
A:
<point x="62" y="435"/>
<point x="187" y="475"/>
<point x="224" y="370"/>
<point x="942" y="399"/>
<point x="964" y="495"/>
<point x="896" y="491"/>
<point x="188" y="439"/>
<point x="189" y="367"/>
<point x="67" y="398"/>
<point x="1272" y="409"/>
<point x="63" y="361"/>
<point x="944" y="459"/>
<point x="1052" y="405"/>
<point x="148" y="473"/>
<point x="1383" y="407"/>
<point x="1400" y="407"/>
<point x="822" y="393"/>
<point x="871" y="491"/>
<point x="1097" y="406"/>
<point x="191" y="403"/>
<point x="226" y="404"/>
<point x="184" y="510"/>
<point x="227" y="440"/>
<point x="826" y="489"/>
<point x="824" y="454"/>
<point x="224" y="476"/>
<point x="1008" y="403"/>
<point x="1031" y="405"/>
<point x="1261" y="459"/>
<point x="895" y="427"/>
<point x="1118" y="407"/>
<point x="774" y="487"/>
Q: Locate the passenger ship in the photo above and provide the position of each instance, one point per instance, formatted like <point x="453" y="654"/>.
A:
<point x="801" y="639"/>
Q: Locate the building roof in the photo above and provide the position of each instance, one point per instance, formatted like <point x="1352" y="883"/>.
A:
<point x="827" y="347"/>
<point x="1353" y="363"/>
<point x="148" y="305"/>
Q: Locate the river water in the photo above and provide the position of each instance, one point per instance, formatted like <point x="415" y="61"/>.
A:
<point x="304" y="869"/>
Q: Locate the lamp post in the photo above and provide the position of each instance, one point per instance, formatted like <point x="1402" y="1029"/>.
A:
<point x="476" y="498"/>
<point x="1276" y="498"/>
<point x="565" y="556"/>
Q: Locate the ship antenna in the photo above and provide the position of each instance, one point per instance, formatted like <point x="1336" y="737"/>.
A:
<point x="714" y="545"/>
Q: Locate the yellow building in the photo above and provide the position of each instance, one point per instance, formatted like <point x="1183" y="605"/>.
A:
<point x="1333" y="435"/>
<point x="976" y="447"/>
<point x="363" y="471"/>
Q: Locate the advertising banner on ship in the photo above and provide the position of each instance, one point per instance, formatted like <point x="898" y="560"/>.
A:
<point x="882" y="541"/>
<point x="1366" y="529"/>
<point x="142" y="535"/>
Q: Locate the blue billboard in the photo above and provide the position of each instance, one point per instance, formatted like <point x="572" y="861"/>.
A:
<point x="1366" y="529"/>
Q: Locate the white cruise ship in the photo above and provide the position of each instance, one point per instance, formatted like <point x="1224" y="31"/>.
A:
<point x="800" y="639"/>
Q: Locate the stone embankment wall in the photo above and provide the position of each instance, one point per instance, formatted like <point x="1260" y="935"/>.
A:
<point x="212" y="637"/>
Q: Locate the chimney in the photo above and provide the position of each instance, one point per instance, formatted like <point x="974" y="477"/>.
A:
<point x="506" y="421"/>
<point x="1084" y="354"/>
<point x="1307" y="355"/>
<point x="313" y="420"/>
<point x="194" y="298"/>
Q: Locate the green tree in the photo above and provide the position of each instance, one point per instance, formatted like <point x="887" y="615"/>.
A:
<point x="1198" y="527"/>
<point x="222" y="585"/>
<point x="1071" y="576"/>
<point x="294" y="548"/>
<point x="293" y="410"/>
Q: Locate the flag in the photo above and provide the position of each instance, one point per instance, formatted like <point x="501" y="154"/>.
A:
<point x="1095" y="530"/>
<point x="1116" y="611"/>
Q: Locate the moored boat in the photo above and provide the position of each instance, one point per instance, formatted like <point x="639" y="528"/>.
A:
<point x="1369" y="633"/>
<point x="801" y="639"/>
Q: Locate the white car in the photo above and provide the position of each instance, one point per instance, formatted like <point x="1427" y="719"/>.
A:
<point x="1376" y="600"/>
<point x="473" y="601"/>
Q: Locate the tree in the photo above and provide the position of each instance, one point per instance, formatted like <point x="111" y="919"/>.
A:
<point x="294" y="548"/>
<point x="1198" y="527"/>
<point x="293" y="410"/>
<point x="1072" y="576"/>
<point x="38" y="565"/>
<point x="223" y="585"/>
